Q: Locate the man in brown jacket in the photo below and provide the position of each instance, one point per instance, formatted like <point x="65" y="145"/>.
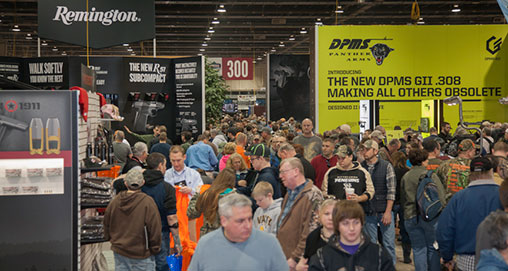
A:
<point x="133" y="226"/>
<point x="299" y="210"/>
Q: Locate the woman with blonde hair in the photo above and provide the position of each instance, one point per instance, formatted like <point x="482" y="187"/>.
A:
<point x="208" y="202"/>
<point x="244" y="176"/>
<point x="229" y="149"/>
<point x="320" y="236"/>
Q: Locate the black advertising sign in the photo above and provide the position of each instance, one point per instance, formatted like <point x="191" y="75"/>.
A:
<point x="189" y="94"/>
<point x="149" y="86"/>
<point x="38" y="180"/>
<point x="289" y="86"/>
<point x="10" y="68"/>
<point x="47" y="72"/>
<point x="110" y="22"/>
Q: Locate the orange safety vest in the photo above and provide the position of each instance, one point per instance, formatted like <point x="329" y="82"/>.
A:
<point x="188" y="246"/>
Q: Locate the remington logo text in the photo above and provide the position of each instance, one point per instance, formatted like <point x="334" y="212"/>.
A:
<point x="106" y="18"/>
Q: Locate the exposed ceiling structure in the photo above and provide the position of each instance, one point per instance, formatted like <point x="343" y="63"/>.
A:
<point x="246" y="28"/>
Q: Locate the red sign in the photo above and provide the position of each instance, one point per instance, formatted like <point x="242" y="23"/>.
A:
<point x="237" y="68"/>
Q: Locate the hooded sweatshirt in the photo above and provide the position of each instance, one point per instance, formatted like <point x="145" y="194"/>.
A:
<point x="337" y="179"/>
<point x="133" y="226"/>
<point x="162" y="193"/>
<point x="369" y="256"/>
<point x="266" y="219"/>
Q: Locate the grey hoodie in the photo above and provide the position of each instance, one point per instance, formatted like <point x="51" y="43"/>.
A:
<point x="266" y="219"/>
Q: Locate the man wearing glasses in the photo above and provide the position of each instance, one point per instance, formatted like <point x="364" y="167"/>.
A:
<point x="299" y="210"/>
<point x="260" y="160"/>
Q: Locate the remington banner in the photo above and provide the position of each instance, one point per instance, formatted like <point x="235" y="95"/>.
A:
<point x="395" y="63"/>
<point x="110" y="22"/>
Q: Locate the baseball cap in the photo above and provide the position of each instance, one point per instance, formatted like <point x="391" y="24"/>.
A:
<point x="377" y="134"/>
<point x="83" y="102"/>
<point x="260" y="150"/>
<point x="370" y="144"/>
<point x="344" y="151"/>
<point x="479" y="164"/>
<point x="466" y="145"/>
<point x="134" y="178"/>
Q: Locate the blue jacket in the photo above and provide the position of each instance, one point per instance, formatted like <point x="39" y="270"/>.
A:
<point x="491" y="260"/>
<point x="456" y="229"/>
<point x="200" y="155"/>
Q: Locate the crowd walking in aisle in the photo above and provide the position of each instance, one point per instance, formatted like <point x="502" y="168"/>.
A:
<point x="253" y="194"/>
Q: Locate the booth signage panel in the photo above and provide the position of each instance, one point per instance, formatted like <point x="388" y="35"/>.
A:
<point x="409" y="63"/>
<point x="110" y="23"/>
<point x="237" y="68"/>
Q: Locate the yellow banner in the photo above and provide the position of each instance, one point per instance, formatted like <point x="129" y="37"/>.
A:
<point x="409" y="63"/>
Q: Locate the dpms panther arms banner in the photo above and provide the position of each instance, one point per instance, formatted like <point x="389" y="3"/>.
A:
<point x="408" y="63"/>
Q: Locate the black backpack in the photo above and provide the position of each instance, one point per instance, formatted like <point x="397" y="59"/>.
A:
<point x="428" y="205"/>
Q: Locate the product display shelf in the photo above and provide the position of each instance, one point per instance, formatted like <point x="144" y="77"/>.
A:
<point x="95" y="169"/>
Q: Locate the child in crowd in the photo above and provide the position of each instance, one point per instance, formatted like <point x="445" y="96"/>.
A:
<point x="266" y="215"/>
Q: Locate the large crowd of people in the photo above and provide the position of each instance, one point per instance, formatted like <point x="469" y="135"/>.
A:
<point x="276" y="195"/>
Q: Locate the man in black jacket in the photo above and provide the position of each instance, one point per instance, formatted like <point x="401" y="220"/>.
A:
<point x="260" y="159"/>
<point x="164" y="196"/>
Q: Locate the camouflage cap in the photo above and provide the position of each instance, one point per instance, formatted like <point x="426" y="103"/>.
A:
<point x="377" y="134"/>
<point x="466" y="145"/>
<point x="134" y="178"/>
<point x="344" y="151"/>
<point x="370" y="144"/>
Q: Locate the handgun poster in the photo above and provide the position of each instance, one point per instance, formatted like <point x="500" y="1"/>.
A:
<point x="39" y="179"/>
<point x="35" y="142"/>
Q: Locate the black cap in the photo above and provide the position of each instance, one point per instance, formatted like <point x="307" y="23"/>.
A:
<point x="480" y="164"/>
<point x="260" y="150"/>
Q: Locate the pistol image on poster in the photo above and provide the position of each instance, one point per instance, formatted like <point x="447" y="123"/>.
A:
<point x="145" y="109"/>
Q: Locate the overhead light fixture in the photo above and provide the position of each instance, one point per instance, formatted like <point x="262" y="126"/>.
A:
<point x="54" y="49"/>
<point x="129" y="50"/>
<point x="292" y="38"/>
<point x="125" y="44"/>
<point x="215" y="21"/>
<point x="318" y="21"/>
<point x="208" y="38"/>
<point x="28" y="36"/>
<point x="204" y="44"/>
<point x="281" y="44"/>
<point x="339" y="9"/>
<point x="202" y="50"/>
<point x="44" y="43"/>
<point x="64" y="53"/>
<point x="455" y="8"/>
<point x="265" y="54"/>
<point x="210" y="30"/>
<point x="420" y="21"/>
<point x="133" y="54"/>
<point x="221" y="9"/>
<point x="259" y="58"/>
<point x="200" y="54"/>
<point x="273" y="50"/>
<point x="254" y="61"/>
<point x="15" y="28"/>
<point x="303" y="31"/>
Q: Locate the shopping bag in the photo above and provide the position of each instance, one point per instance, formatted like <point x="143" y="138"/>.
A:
<point x="174" y="262"/>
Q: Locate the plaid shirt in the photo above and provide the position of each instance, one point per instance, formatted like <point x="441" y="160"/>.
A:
<point x="391" y="180"/>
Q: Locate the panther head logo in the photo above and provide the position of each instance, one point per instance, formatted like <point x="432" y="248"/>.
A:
<point x="380" y="52"/>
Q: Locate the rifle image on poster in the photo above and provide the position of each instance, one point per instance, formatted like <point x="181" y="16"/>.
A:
<point x="6" y="122"/>
<point x="145" y="109"/>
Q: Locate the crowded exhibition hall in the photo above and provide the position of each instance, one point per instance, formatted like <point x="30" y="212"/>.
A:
<point x="350" y="135"/>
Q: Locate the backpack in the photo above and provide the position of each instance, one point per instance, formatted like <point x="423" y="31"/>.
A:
<point x="428" y="205"/>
